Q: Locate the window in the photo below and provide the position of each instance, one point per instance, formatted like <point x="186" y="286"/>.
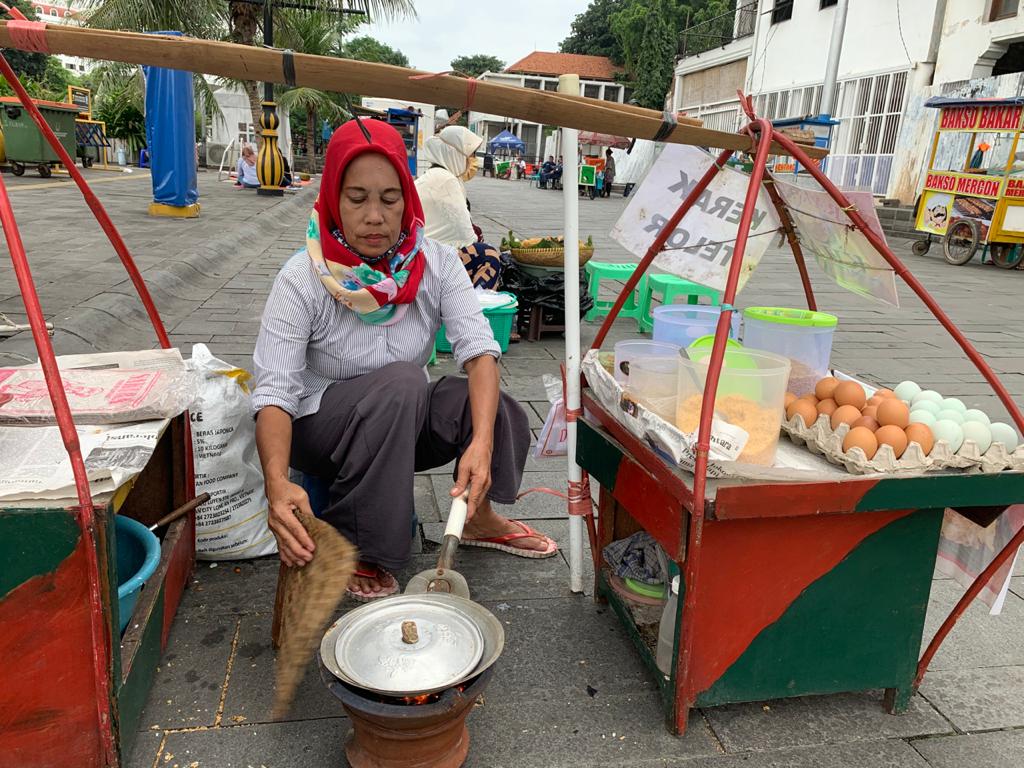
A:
<point x="550" y="85"/>
<point x="611" y="92"/>
<point x="826" y="4"/>
<point x="627" y="95"/>
<point x="592" y="91"/>
<point x="531" y="83"/>
<point x="53" y="11"/>
<point x="783" y="11"/>
<point x="1003" y="9"/>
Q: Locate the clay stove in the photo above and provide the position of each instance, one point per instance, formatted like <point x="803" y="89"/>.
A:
<point x="407" y="732"/>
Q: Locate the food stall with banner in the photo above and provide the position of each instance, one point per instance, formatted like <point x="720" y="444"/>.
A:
<point x="973" y="190"/>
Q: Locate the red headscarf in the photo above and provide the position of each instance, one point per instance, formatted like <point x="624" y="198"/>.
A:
<point x="401" y="267"/>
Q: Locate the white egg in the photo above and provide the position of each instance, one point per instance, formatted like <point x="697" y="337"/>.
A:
<point x="950" y="415"/>
<point x="929" y="406"/>
<point x="973" y="414"/>
<point x="979" y="433"/>
<point x="953" y="404"/>
<point x="922" y="417"/>
<point x="907" y="390"/>
<point x="928" y="394"/>
<point x="1005" y="434"/>
<point x="950" y="432"/>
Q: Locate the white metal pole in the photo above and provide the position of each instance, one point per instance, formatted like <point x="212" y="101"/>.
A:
<point x="570" y="180"/>
<point x="835" y="50"/>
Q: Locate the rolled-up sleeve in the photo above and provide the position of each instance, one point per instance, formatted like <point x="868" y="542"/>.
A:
<point x="467" y="329"/>
<point x="280" y="355"/>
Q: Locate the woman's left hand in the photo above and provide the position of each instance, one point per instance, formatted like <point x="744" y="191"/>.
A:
<point x="475" y="474"/>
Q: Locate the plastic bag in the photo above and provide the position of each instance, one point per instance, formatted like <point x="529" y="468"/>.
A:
<point x="233" y="524"/>
<point x="554" y="435"/>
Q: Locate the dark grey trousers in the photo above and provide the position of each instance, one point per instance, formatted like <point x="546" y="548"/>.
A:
<point x="374" y="432"/>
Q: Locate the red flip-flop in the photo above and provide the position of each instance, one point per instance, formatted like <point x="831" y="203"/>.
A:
<point x="372" y="572"/>
<point x="501" y="543"/>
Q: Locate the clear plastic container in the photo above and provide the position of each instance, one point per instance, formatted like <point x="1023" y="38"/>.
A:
<point x="625" y="351"/>
<point x="653" y="382"/>
<point x="682" y="324"/>
<point x="805" y="337"/>
<point x="751" y="395"/>
<point x="667" y="630"/>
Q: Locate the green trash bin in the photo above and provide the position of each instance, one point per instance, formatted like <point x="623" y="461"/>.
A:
<point x="23" y="141"/>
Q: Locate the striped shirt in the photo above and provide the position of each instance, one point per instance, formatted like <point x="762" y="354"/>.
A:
<point x="308" y="340"/>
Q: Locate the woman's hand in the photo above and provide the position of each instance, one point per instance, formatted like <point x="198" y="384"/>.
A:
<point x="294" y="544"/>
<point x="474" y="473"/>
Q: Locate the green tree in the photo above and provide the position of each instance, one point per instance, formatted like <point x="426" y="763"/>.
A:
<point x="654" y="59"/>
<point x="592" y="33"/>
<point x="365" y="48"/>
<point x="124" y="120"/>
<point x="477" y="64"/>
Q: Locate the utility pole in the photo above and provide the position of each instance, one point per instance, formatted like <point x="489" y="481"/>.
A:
<point x="835" y="48"/>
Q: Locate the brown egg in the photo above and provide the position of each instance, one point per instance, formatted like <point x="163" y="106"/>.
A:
<point x="870" y="410"/>
<point x="922" y="435"/>
<point x="875" y="399"/>
<point x="827" y="406"/>
<point x="790" y="397"/>
<point x="804" y="409"/>
<point x="885" y="393"/>
<point x="863" y="438"/>
<point x="894" y="413"/>
<point x="894" y="437"/>
<point x="823" y="389"/>
<point x="850" y="393"/>
<point x="844" y="414"/>
<point x="866" y="421"/>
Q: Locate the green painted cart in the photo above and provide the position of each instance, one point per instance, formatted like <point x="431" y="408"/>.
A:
<point x="788" y="589"/>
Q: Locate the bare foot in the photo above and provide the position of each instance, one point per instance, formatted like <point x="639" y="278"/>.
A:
<point x="487" y="523"/>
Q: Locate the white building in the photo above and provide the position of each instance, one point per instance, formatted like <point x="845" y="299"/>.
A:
<point x="777" y="50"/>
<point x="599" y="79"/>
<point x="64" y="12"/>
<point x="225" y="137"/>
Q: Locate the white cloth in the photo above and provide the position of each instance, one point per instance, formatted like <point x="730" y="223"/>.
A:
<point x="441" y="190"/>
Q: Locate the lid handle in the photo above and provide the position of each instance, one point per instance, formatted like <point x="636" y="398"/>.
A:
<point x="410" y="634"/>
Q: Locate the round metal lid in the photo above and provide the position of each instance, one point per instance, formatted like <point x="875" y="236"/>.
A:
<point x="407" y="645"/>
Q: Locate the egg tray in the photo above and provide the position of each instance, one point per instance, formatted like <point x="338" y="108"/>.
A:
<point x="822" y="440"/>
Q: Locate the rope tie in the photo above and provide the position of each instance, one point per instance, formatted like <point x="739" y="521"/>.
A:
<point x="668" y="124"/>
<point x="29" y="35"/>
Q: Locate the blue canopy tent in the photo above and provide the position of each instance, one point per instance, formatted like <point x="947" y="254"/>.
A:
<point x="506" y="142"/>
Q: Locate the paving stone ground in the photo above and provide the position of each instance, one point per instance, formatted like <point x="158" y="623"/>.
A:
<point x="210" y="704"/>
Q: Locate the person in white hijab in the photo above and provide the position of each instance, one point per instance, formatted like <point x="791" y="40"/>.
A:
<point x="452" y="161"/>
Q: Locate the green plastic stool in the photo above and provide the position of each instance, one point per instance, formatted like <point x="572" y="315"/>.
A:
<point x="670" y="287"/>
<point x="601" y="270"/>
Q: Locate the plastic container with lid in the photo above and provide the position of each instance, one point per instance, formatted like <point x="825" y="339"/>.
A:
<point x="682" y="323"/>
<point x="653" y="382"/>
<point x="805" y="337"/>
<point x="751" y="395"/>
<point x="626" y="351"/>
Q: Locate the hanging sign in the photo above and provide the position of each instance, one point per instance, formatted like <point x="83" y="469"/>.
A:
<point x="841" y="250"/>
<point x="996" y="118"/>
<point x="81" y="98"/>
<point x="700" y="248"/>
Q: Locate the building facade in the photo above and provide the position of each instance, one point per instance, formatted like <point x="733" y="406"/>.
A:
<point x="599" y="79"/>
<point x="64" y="12"/>
<point x="893" y="51"/>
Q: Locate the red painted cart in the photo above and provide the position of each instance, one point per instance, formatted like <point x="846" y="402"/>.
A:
<point x="73" y="689"/>
<point x="787" y="589"/>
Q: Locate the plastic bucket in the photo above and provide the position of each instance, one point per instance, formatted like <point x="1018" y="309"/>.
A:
<point x="653" y="382"/>
<point x="805" y="337"/>
<point x="751" y="394"/>
<point x="138" y="553"/>
<point x="626" y="351"/>
<point x="682" y="323"/>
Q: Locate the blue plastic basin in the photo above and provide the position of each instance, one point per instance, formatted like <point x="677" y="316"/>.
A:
<point x="138" y="553"/>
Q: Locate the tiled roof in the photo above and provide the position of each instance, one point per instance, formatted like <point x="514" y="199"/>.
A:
<point x="587" y="67"/>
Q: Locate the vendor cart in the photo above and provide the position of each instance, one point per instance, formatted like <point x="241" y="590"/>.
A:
<point x="973" y="191"/>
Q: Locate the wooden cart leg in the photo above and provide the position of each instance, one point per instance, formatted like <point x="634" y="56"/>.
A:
<point x="897" y="700"/>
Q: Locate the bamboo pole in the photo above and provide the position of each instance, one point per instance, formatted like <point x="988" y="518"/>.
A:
<point x="347" y="76"/>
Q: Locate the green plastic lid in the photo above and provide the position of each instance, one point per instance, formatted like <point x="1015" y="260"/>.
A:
<point x="706" y="342"/>
<point x="784" y="316"/>
<point x="657" y="591"/>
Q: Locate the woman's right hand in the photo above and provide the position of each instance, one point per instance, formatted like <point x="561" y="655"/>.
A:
<point x="294" y="544"/>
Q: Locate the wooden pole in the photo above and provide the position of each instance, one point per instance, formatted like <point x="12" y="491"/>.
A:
<point x="346" y="76"/>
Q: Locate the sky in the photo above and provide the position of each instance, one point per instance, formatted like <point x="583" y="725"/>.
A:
<point x="447" y="29"/>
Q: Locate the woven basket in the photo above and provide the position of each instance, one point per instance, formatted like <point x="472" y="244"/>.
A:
<point x="549" y="257"/>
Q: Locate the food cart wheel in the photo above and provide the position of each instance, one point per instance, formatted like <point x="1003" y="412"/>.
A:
<point x="961" y="241"/>
<point x="18" y="169"/>
<point x="920" y="247"/>
<point x="1005" y="255"/>
<point x="44" y="170"/>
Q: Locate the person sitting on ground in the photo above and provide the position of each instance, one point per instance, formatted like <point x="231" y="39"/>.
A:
<point x="247" y="169"/>
<point x="451" y="162"/>
<point x="341" y="392"/>
<point x="609" y="172"/>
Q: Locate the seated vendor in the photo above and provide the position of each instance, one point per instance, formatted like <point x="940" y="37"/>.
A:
<point x="341" y="389"/>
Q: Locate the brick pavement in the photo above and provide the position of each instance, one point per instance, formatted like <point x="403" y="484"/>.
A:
<point x="210" y="703"/>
